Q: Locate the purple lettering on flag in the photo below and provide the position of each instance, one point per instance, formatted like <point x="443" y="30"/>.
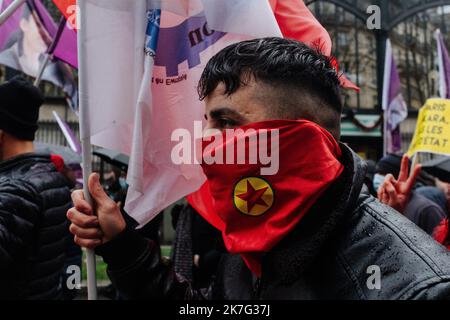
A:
<point x="185" y="42"/>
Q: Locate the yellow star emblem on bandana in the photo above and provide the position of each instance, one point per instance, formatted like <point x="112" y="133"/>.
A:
<point x="253" y="196"/>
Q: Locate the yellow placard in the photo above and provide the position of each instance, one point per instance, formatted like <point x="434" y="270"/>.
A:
<point x="433" y="128"/>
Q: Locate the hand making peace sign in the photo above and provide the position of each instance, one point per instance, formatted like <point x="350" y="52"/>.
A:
<point x="396" y="193"/>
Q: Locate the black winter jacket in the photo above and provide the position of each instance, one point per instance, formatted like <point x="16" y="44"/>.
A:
<point x="34" y="234"/>
<point x="349" y="246"/>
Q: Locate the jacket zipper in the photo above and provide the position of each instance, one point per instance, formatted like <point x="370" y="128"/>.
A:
<point x="257" y="289"/>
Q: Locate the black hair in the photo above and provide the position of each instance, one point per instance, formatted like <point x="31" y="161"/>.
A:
<point x="278" y="62"/>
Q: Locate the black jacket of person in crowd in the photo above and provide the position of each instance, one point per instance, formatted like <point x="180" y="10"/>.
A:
<point x="349" y="246"/>
<point x="34" y="199"/>
<point x="424" y="213"/>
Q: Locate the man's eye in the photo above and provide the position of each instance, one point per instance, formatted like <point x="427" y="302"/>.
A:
<point x="226" y="123"/>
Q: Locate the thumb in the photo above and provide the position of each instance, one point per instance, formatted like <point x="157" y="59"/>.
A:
<point x="96" y="189"/>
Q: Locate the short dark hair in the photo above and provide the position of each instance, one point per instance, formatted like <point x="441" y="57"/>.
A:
<point x="298" y="72"/>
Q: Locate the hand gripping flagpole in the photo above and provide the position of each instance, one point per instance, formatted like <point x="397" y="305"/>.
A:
<point x="85" y="143"/>
<point x="10" y="10"/>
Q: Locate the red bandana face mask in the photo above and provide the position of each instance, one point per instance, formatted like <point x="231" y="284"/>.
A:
<point x="255" y="210"/>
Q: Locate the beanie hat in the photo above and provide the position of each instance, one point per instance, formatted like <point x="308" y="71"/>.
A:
<point x="19" y="108"/>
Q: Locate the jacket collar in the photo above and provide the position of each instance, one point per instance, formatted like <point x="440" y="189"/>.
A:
<point x="299" y="250"/>
<point x="21" y="160"/>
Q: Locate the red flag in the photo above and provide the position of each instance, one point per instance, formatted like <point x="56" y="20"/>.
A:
<point x="255" y="211"/>
<point x="297" y="22"/>
<point x="68" y="9"/>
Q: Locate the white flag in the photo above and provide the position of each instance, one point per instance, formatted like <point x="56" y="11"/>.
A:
<point x="112" y="34"/>
<point x="136" y="100"/>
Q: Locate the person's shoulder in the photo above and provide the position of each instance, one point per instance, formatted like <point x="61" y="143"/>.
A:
<point x="39" y="171"/>
<point x="19" y="196"/>
<point x="424" y="212"/>
<point x="376" y="237"/>
<point x="422" y="203"/>
<point x="45" y="176"/>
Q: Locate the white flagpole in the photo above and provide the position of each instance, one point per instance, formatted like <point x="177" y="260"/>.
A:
<point x="44" y="65"/>
<point x="385" y="101"/>
<point x="10" y="10"/>
<point x="442" y="84"/>
<point x="50" y="51"/>
<point x="85" y="144"/>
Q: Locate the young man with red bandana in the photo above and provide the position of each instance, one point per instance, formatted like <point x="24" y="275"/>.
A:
<point x="310" y="231"/>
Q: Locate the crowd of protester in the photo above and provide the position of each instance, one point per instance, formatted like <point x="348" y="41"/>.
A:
<point x="422" y="198"/>
<point x="36" y="245"/>
<point x="326" y="254"/>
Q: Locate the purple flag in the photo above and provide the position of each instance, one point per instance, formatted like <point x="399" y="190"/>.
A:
<point x="394" y="106"/>
<point x="444" y="67"/>
<point x="25" y="39"/>
<point x="66" y="48"/>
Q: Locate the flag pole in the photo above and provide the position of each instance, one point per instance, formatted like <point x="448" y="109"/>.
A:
<point x="85" y="146"/>
<point x="385" y="100"/>
<point x="44" y="65"/>
<point x="50" y="50"/>
<point x="442" y="79"/>
<point x="10" y="10"/>
<point x="414" y="162"/>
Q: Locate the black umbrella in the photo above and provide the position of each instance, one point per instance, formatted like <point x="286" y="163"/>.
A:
<point x="440" y="168"/>
<point x="66" y="153"/>
<point x="113" y="157"/>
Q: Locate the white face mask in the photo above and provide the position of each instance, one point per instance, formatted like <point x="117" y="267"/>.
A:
<point x="378" y="180"/>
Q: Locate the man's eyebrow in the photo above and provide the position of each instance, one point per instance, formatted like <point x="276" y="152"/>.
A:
<point x="217" y="113"/>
